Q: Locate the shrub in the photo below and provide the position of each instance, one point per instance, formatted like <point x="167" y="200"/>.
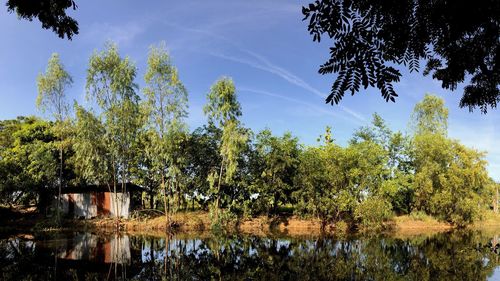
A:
<point x="224" y="221"/>
<point x="372" y="212"/>
<point x="420" y="216"/>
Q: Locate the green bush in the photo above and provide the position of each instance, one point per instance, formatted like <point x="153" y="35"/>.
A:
<point x="225" y="219"/>
<point x="372" y="212"/>
<point x="420" y="216"/>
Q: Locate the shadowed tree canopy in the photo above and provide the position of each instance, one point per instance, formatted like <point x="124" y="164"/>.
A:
<point x="458" y="40"/>
<point x="51" y="13"/>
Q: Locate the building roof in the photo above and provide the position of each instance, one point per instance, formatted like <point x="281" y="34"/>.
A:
<point x="130" y="187"/>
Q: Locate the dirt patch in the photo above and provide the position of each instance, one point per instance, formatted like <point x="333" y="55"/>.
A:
<point x="409" y="226"/>
<point x="27" y="219"/>
<point x="281" y="224"/>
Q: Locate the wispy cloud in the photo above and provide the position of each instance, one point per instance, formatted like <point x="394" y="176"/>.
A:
<point x="121" y="34"/>
<point x="314" y="107"/>
<point x="261" y="63"/>
<point x="283" y="73"/>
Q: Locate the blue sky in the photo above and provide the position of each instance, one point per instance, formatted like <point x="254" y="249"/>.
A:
<point x="263" y="45"/>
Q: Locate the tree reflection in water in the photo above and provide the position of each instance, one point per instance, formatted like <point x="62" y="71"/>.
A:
<point x="464" y="255"/>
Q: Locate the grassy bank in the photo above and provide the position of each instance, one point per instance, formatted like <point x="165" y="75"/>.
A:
<point x="26" y="219"/>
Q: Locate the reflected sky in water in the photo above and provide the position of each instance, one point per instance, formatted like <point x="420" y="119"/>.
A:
<point x="466" y="255"/>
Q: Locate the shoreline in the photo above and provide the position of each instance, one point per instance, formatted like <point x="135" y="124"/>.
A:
<point x="199" y="222"/>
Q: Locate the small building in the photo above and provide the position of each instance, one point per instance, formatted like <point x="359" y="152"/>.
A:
<point x="97" y="201"/>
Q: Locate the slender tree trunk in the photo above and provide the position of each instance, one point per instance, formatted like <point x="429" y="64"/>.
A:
<point x="165" y="203"/>
<point x="178" y="196"/>
<point x="116" y="204"/>
<point x="323" y="224"/>
<point x="218" y="191"/>
<point x="58" y="212"/>
<point x="117" y="221"/>
<point x="151" y="200"/>
<point x="124" y="189"/>
<point x="124" y="180"/>
<point x="495" y="201"/>
<point x="169" y="195"/>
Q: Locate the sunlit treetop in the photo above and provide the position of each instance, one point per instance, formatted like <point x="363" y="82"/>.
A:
<point x="222" y="105"/>
<point x="430" y="116"/>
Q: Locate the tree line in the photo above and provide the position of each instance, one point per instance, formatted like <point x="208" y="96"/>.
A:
<point x="141" y="136"/>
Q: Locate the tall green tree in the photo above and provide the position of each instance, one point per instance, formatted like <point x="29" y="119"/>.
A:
<point x="277" y="165"/>
<point x="430" y="116"/>
<point x="166" y="106"/>
<point x="110" y="83"/>
<point x="321" y="182"/>
<point x="223" y="110"/>
<point x="144" y="169"/>
<point x="203" y="155"/>
<point x="28" y="161"/>
<point x="429" y="124"/>
<point x="92" y="160"/>
<point x="52" y="86"/>
<point x="397" y="184"/>
<point x="449" y="177"/>
<point x="491" y="195"/>
<point x="336" y="183"/>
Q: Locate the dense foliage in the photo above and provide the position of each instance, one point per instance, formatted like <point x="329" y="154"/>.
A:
<point x="458" y="40"/>
<point x="51" y="13"/>
<point x="231" y="171"/>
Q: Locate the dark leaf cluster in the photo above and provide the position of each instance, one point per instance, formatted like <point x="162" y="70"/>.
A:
<point x="458" y="40"/>
<point x="51" y="13"/>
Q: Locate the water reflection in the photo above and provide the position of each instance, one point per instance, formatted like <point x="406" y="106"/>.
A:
<point x="90" y="247"/>
<point x="85" y="256"/>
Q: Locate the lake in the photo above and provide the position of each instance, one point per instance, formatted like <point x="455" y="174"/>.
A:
<point x="459" y="255"/>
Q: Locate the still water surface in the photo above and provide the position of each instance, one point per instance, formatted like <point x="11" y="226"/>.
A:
<point x="85" y="256"/>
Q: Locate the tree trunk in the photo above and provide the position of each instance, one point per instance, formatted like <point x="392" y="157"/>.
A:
<point x="117" y="221"/>
<point x="178" y="196"/>
<point x="165" y="202"/>
<point x="218" y="191"/>
<point x="116" y="205"/>
<point x="495" y="201"/>
<point x="124" y="185"/>
<point x="151" y="200"/>
<point x="58" y="212"/>
<point x="169" y="195"/>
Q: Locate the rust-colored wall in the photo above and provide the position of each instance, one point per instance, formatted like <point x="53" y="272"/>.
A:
<point x="103" y="203"/>
<point x="96" y="204"/>
<point x="107" y="203"/>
